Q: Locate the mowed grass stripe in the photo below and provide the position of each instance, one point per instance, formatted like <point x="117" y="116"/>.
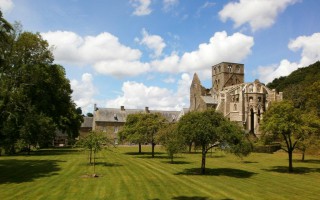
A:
<point x="153" y="182"/>
<point x="55" y="174"/>
<point x="190" y="185"/>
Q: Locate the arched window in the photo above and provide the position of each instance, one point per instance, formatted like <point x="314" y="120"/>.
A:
<point x="229" y="68"/>
<point x="238" y="68"/>
<point x="250" y="88"/>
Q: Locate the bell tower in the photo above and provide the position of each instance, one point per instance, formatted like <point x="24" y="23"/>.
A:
<point x="227" y="74"/>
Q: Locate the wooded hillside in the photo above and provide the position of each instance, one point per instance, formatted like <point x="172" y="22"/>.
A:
<point x="302" y="76"/>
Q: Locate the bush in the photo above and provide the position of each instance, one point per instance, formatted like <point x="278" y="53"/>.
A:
<point x="267" y="148"/>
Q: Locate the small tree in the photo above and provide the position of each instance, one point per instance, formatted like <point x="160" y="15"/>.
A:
<point x="142" y="127"/>
<point x="172" y="141"/>
<point x="93" y="142"/>
<point x="310" y="134"/>
<point x="131" y="131"/>
<point x="210" y="129"/>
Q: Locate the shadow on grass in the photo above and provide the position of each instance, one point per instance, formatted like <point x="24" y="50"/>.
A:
<point x="18" y="171"/>
<point x="143" y="153"/>
<point x="313" y="161"/>
<point x="249" y="162"/>
<point x="53" y="151"/>
<point x="106" y="164"/>
<point x="216" y="156"/>
<point x="296" y="170"/>
<point x="176" y="162"/>
<point x="236" y="173"/>
<point x="190" y="198"/>
<point x="148" y="155"/>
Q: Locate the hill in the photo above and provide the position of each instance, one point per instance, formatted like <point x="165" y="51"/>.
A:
<point x="302" y="77"/>
<point x="302" y="87"/>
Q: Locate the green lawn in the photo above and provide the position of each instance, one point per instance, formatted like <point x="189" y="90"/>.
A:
<point x="61" y="174"/>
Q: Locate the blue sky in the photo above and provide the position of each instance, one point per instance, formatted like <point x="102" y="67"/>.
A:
<point x="141" y="53"/>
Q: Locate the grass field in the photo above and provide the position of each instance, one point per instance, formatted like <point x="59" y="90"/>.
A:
<point x="124" y="174"/>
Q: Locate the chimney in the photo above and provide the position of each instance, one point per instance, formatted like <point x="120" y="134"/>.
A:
<point x="147" y="110"/>
<point x="95" y="107"/>
<point x="122" y="108"/>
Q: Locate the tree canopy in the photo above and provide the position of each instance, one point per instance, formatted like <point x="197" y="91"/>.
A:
<point x="35" y="95"/>
<point x="142" y="128"/>
<point x="302" y="89"/>
<point x="169" y="137"/>
<point x="290" y="126"/>
<point x="210" y="129"/>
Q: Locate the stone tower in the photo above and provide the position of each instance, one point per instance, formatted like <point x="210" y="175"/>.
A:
<point x="227" y="74"/>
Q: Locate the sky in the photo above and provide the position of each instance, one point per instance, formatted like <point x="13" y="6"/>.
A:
<point x="143" y="53"/>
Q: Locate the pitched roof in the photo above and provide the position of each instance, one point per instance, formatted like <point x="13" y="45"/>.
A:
<point x="114" y="114"/>
<point x="209" y="100"/>
<point x="87" y="122"/>
<point x="120" y="115"/>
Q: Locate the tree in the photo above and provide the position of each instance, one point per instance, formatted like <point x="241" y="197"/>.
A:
<point x="172" y="141"/>
<point x="31" y="86"/>
<point x="282" y="122"/>
<point x="131" y="131"/>
<point x="210" y="129"/>
<point x="142" y="128"/>
<point x="310" y="134"/>
<point x="89" y="114"/>
<point x="150" y="124"/>
<point x="93" y="142"/>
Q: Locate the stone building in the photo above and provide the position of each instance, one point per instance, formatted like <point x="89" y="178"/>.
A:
<point x="86" y="126"/>
<point x="112" y="120"/>
<point x="241" y="102"/>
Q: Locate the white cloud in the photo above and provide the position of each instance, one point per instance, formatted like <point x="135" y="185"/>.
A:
<point x="167" y="64"/>
<point x="310" y="46"/>
<point x="258" y="13"/>
<point x="104" y="52"/>
<point x="153" y="42"/>
<point x="169" y="80"/>
<point x="142" y="7"/>
<point x="310" y="53"/>
<point x="6" y="5"/>
<point x="138" y="95"/>
<point x="169" y="4"/>
<point x="121" y="68"/>
<point x="221" y="47"/>
<point x="83" y="92"/>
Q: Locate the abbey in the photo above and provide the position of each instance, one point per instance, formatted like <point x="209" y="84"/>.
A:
<point x="241" y="102"/>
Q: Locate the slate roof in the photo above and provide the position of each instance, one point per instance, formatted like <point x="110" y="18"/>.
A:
<point x="209" y="100"/>
<point x="120" y="115"/>
<point x="87" y="122"/>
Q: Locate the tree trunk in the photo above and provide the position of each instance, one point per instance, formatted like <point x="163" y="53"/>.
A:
<point x="153" y="145"/>
<point x="190" y="147"/>
<point x="171" y="156"/>
<point x="203" y="161"/>
<point x="90" y="156"/>
<point x="290" y="161"/>
<point x="29" y="149"/>
<point x="139" y="147"/>
<point x="94" y="163"/>
<point x="303" y="155"/>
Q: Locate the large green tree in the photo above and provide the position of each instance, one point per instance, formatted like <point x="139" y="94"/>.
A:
<point x="35" y="95"/>
<point x="210" y="129"/>
<point x="283" y="122"/>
